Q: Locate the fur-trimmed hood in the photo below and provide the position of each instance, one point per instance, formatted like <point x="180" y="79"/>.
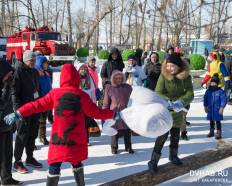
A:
<point x="182" y="74"/>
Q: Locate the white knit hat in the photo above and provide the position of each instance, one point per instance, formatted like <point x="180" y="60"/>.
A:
<point x="28" y="55"/>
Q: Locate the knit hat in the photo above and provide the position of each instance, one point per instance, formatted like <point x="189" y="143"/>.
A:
<point x="28" y="55"/>
<point x="131" y="57"/>
<point x="215" y="79"/>
<point x="114" y="50"/>
<point x="5" y="68"/>
<point x="175" y="59"/>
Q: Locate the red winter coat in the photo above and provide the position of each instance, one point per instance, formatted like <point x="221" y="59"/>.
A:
<point x="68" y="141"/>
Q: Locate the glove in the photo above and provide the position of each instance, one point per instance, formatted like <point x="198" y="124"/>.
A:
<point x="177" y="106"/>
<point x="228" y="85"/>
<point x="170" y="105"/>
<point x="206" y="110"/>
<point x="145" y="83"/>
<point x="98" y="94"/>
<point x="12" y="118"/>
<point x="117" y="116"/>
<point x="221" y="110"/>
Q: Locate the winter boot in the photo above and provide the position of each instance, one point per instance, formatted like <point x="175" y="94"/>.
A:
<point x="152" y="164"/>
<point x="173" y="156"/>
<point x="218" y="134"/>
<point x="184" y="136"/>
<point x="211" y="133"/>
<point x="42" y="133"/>
<point x="52" y="180"/>
<point x="79" y="176"/>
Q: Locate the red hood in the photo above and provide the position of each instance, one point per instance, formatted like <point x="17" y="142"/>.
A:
<point x="69" y="76"/>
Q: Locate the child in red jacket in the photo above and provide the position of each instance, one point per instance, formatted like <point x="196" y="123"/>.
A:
<point x="68" y="141"/>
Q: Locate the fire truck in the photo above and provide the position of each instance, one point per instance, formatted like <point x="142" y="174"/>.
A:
<point x="43" y="39"/>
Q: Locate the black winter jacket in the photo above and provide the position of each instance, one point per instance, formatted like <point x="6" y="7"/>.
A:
<point x="25" y="85"/>
<point x="153" y="72"/>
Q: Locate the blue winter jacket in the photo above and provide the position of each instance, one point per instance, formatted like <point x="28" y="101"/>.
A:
<point x="213" y="101"/>
<point x="45" y="81"/>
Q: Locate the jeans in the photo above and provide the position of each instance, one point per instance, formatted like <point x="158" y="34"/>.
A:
<point x="54" y="169"/>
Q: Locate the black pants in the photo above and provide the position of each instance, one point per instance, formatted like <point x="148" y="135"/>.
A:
<point x="6" y="154"/>
<point x="27" y="132"/>
<point x="127" y="139"/>
<point x="218" y="124"/>
<point x="54" y="169"/>
<point x="174" y="140"/>
<point x="50" y="116"/>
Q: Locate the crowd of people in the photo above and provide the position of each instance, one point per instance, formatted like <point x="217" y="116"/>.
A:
<point x="27" y="101"/>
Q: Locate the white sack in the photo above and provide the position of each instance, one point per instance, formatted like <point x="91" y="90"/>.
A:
<point x="151" y="120"/>
<point x="143" y="96"/>
<point x="107" y="129"/>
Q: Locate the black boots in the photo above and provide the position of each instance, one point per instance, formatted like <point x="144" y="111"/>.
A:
<point x="152" y="164"/>
<point x="211" y="133"/>
<point x="173" y="156"/>
<point x="79" y="176"/>
<point x="184" y="136"/>
<point x="42" y="133"/>
<point x="52" y="180"/>
<point x="218" y="134"/>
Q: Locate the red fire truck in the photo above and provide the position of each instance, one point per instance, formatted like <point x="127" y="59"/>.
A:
<point x="43" y="39"/>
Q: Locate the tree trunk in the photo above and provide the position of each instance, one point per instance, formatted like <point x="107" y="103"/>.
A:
<point x="62" y="18"/>
<point x="43" y="14"/>
<point x="153" y="27"/>
<point x="129" y="22"/>
<point x="3" y="18"/>
<point x="211" y="21"/>
<point x="69" y="23"/>
<point x="91" y="31"/>
<point x="111" y="25"/>
<point x="32" y="13"/>
<point x="48" y="9"/>
<point x="97" y="29"/>
<point x="121" y="21"/>
<point x="143" y="10"/>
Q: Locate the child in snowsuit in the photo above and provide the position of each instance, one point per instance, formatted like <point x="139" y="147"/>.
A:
<point x="116" y="98"/>
<point x="214" y="102"/>
<point x="68" y="141"/>
<point x="45" y="85"/>
<point x="135" y="76"/>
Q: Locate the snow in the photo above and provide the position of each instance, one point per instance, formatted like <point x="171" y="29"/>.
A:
<point x="102" y="166"/>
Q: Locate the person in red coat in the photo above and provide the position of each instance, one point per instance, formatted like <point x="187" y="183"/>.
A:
<point x="68" y="141"/>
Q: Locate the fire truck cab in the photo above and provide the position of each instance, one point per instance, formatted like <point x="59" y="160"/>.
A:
<point x="43" y="39"/>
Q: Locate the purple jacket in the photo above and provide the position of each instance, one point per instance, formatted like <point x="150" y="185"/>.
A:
<point x="116" y="98"/>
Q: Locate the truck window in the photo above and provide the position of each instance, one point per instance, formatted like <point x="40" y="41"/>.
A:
<point x="2" y="47"/>
<point x="32" y="37"/>
<point x="49" y="36"/>
<point x="24" y="36"/>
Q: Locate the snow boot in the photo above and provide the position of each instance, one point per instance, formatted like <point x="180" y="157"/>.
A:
<point x="184" y="136"/>
<point x="152" y="164"/>
<point x="173" y="156"/>
<point x="42" y="133"/>
<point x="211" y="133"/>
<point x="79" y="176"/>
<point x="52" y="180"/>
<point x="218" y="134"/>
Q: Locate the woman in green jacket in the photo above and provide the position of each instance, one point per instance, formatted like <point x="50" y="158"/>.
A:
<point x="175" y="86"/>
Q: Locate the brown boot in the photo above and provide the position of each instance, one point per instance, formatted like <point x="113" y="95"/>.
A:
<point x="218" y="134"/>
<point x="42" y="133"/>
